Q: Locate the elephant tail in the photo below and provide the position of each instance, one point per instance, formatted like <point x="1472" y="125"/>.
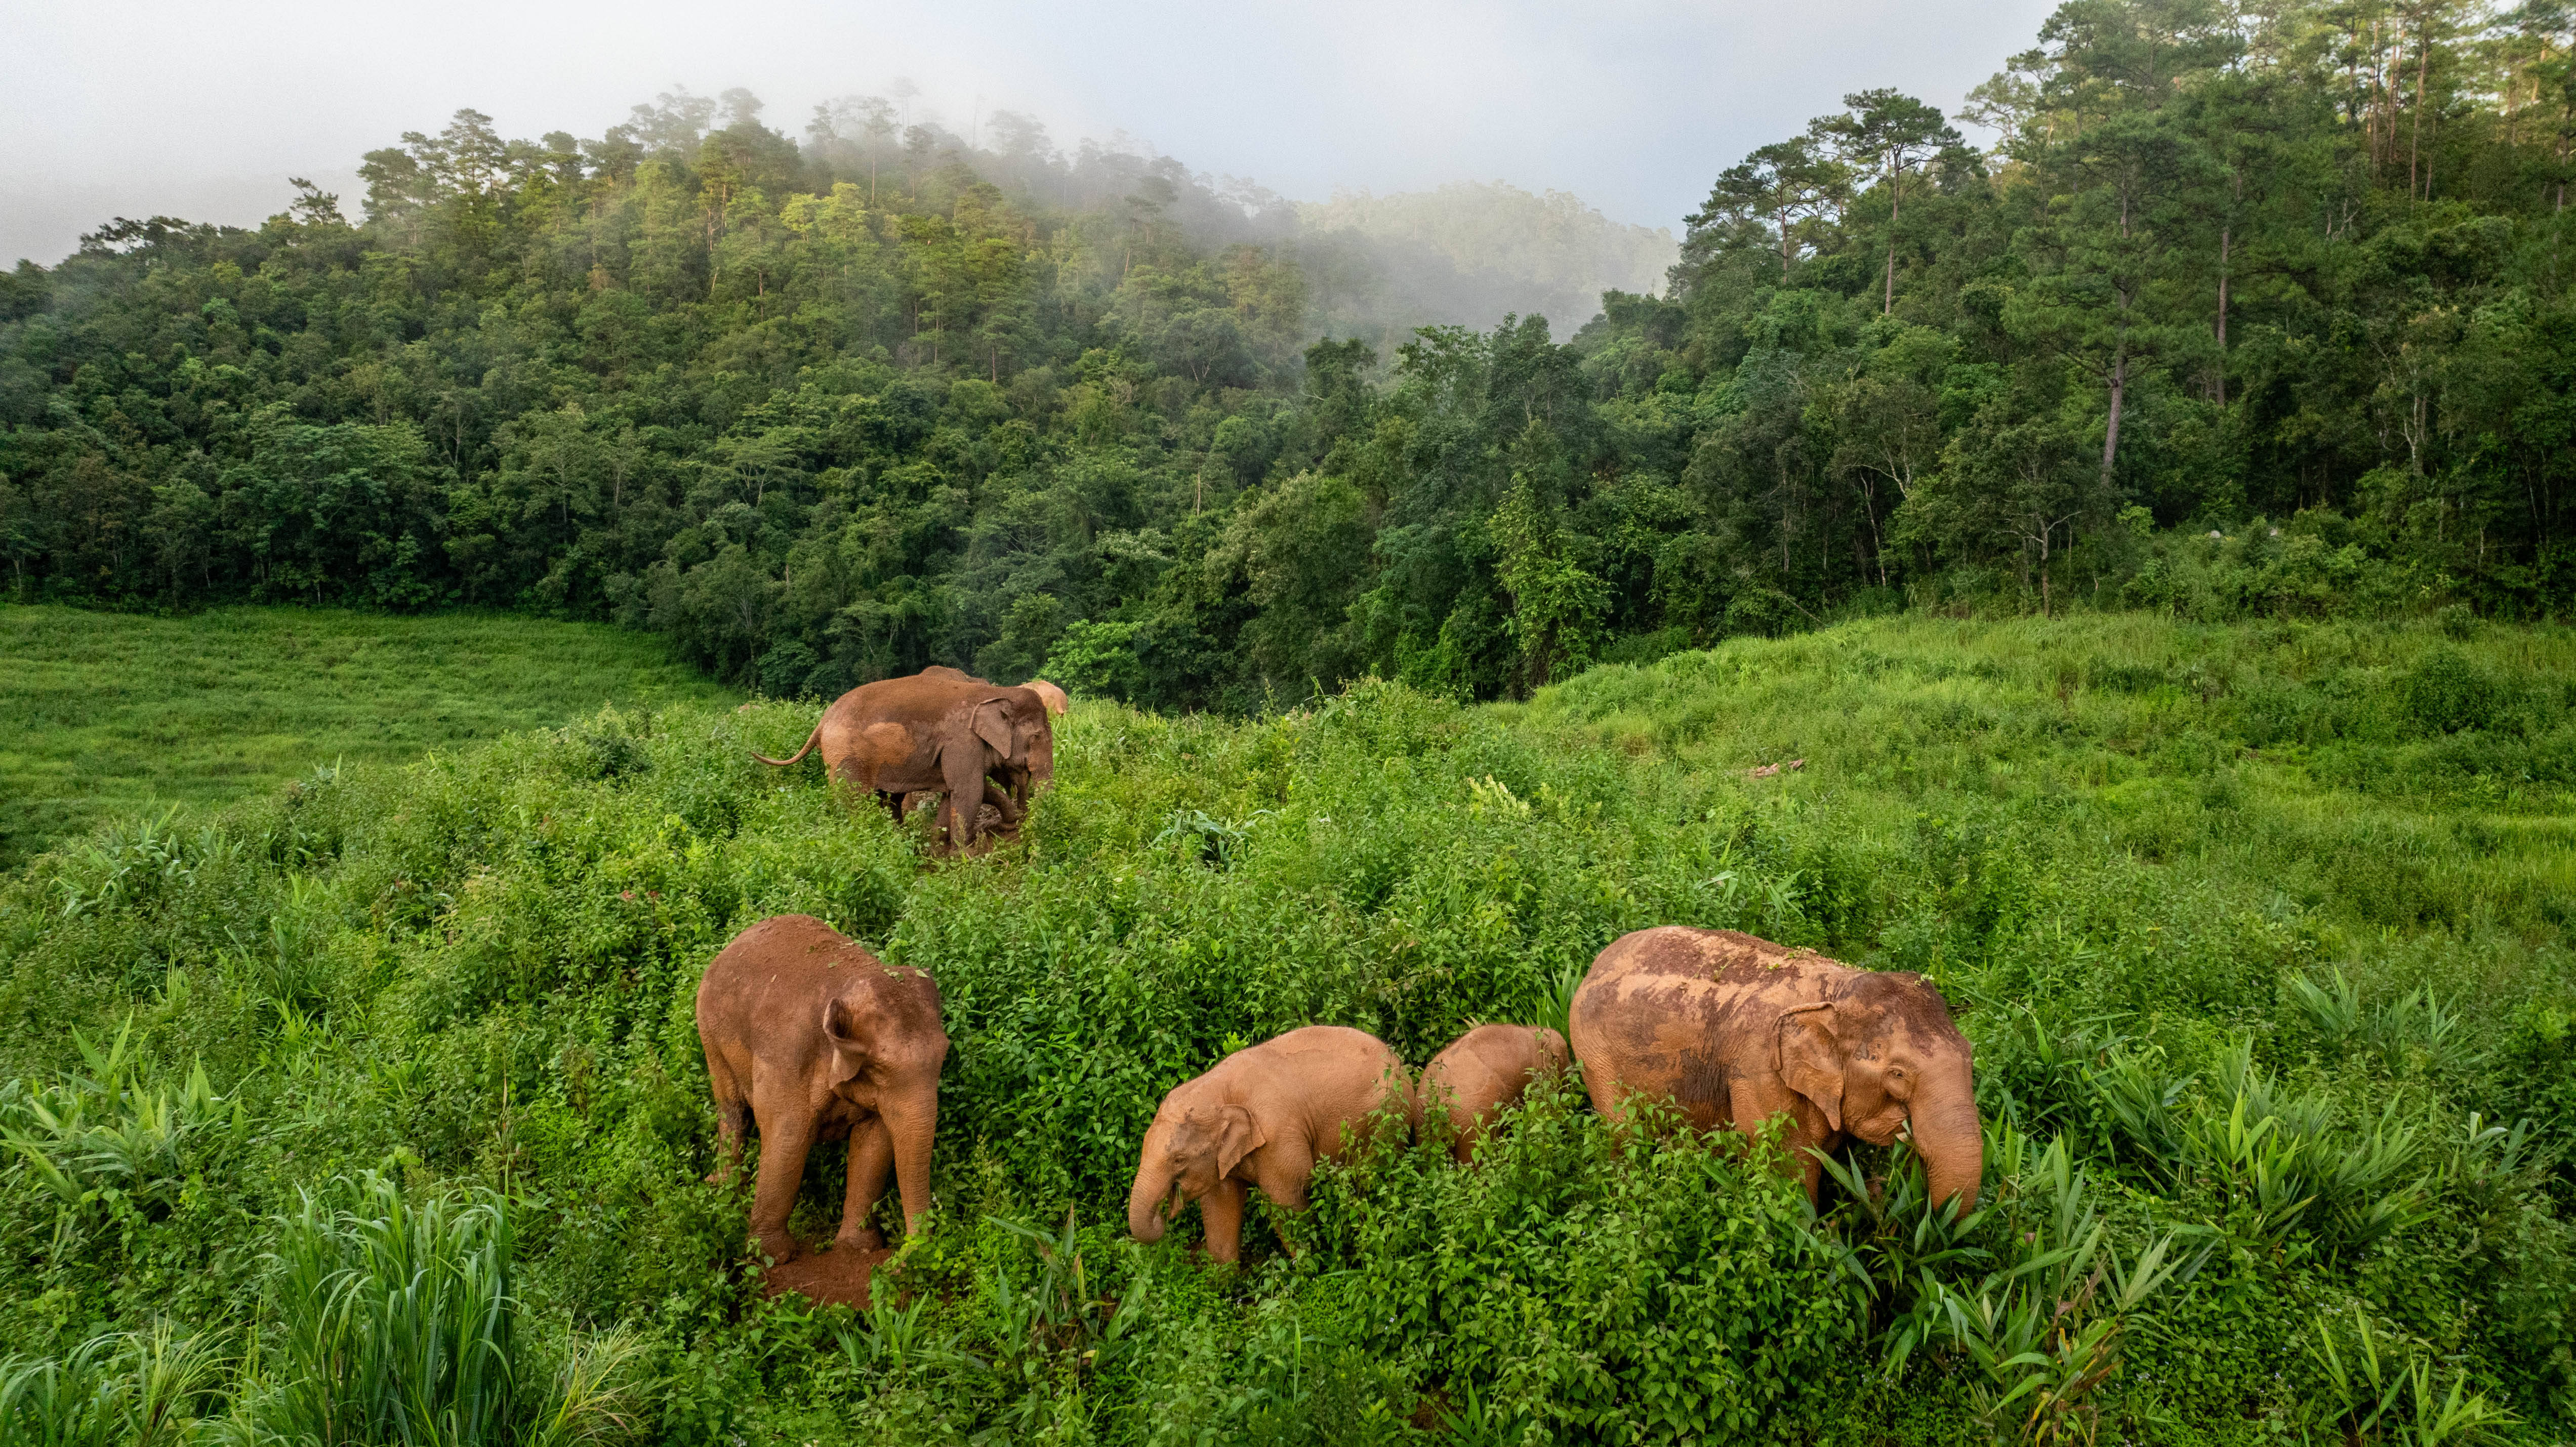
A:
<point x="799" y="754"/>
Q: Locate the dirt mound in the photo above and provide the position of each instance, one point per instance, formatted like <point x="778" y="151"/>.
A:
<point x="832" y="1276"/>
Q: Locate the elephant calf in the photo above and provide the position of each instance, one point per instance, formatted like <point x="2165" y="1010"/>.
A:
<point x="1262" y="1117"/>
<point x="1483" y="1071"/>
<point x="811" y="1038"/>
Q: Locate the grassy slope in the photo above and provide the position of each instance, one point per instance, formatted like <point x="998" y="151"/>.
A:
<point x="2119" y="840"/>
<point x="108" y="713"/>
<point x="2331" y="777"/>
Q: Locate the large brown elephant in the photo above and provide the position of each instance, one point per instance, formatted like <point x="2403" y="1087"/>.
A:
<point x="1262" y="1117"/>
<point x="936" y="732"/>
<point x="811" y="1038"/>
<point x="1483" y="1071"/>
<point x="1736" y="1030"/>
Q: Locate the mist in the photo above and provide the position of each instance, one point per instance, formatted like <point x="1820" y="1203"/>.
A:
<point x="205" y="112"/>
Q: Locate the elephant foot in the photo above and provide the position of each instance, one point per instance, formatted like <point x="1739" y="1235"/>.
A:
<point x="779" y="1251"/>
<point x="867" y="1238"/>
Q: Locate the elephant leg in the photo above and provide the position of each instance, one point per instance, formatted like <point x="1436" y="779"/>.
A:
<point x="1811" y="1170"/>
<point x="964" y="767"/>
<point x="1286" y="1166"/>
<point x="1797" y="1159"/>
<point x="733" y="1120"/>
<point x="871" y="1161"/>
<point x="1285" y="1169"/>
<point x="786" y="1135"/>
<point x="1003" y="804"/>
<point x="1222" y="1210"/>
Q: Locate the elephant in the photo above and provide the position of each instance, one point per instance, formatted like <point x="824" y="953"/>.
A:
<point x="809" y="1038"/>
<point x="1483" y="1071"/>
<point x="1015" y="782"/>
<point x="1262" y="1117"/>
<point x="936" y="732"/>
<point x="1735" y="1030"/>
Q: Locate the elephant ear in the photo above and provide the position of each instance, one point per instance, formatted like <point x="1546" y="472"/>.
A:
<point x="1808" y="1060"/>
<point x="993" y="725"/>
<point x="843" y="1026"/>
<point x="1238" y="1135"/>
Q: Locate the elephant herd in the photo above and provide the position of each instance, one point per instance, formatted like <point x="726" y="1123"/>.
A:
<point x="810" y="1038"/>
<point x="1731" y="1030"/>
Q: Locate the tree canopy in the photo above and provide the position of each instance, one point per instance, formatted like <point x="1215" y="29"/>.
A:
<point x="2245" y="310"/>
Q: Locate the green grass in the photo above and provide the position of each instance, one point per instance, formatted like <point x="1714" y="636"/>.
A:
<point x="2261" y="935"/>
<point x="111" y="713"/>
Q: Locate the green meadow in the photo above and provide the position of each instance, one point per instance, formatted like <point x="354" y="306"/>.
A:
<point x="370" y="1108"/>
<point x="109" y="713"/>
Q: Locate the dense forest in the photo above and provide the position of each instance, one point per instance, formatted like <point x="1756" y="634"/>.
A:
<point x="2248" y="310"/>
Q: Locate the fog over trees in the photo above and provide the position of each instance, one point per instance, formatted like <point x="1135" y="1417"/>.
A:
<point x="2244" y="312"/>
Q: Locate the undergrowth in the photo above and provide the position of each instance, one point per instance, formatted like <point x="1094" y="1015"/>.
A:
<point x="2260" y="935"/>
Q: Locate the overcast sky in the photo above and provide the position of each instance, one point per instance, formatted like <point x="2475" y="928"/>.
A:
<point x="114" y="107"/>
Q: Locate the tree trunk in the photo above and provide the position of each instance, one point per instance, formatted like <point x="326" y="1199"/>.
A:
<point x="1895" y="196"/>
<point x="2225" y="236"/>
<point x="2415" y="135"/>
<point x="2119" y="391"/>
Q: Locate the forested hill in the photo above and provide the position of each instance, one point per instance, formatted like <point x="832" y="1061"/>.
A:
<point x="2248" y="311"/>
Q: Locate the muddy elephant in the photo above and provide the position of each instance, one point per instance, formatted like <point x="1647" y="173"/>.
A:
<point x="1735" y="1030"/>
<point x="1262" y="1117"/>
<point x="1483" y="1071"/>
<point x="811" y="1038"/>
<point x="937" y="732"/>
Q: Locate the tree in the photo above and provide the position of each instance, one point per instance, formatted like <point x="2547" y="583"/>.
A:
<point x="1892" y="133"/>
<point x="1785" y="185"/>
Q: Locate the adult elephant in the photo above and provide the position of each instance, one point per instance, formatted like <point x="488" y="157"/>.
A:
<point x="1735" y="1030"/>
<point x="941" y="733"/>
<point x="1014" y="782"/>
<point x="811" y="1038"/>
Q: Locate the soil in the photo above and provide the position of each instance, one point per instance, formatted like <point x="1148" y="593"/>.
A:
<point x="832" y="1276"/>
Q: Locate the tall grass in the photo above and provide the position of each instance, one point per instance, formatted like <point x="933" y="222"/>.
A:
<point x="398" y="1321"/>
<point x="148" y="1388"/>
<point x="2258" y="933"/>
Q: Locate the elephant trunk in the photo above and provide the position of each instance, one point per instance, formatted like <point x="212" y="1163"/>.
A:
<point x="912" y="1119"/>
<point x="1147" y="1215"/>
<point x="1952" y="1143"/>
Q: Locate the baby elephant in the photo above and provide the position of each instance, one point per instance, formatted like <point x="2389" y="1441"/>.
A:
<point x="1262" y="1117"/>
<point x="1483" y="1071"/>
<point x="811" y="1038"/>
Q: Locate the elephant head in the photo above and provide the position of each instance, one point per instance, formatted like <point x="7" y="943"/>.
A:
<point x="1880" y="1053"/>
<point x="1193" y="1145"/>
<point x="887" y="1049"/>
<point x="1013" y="724"/>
